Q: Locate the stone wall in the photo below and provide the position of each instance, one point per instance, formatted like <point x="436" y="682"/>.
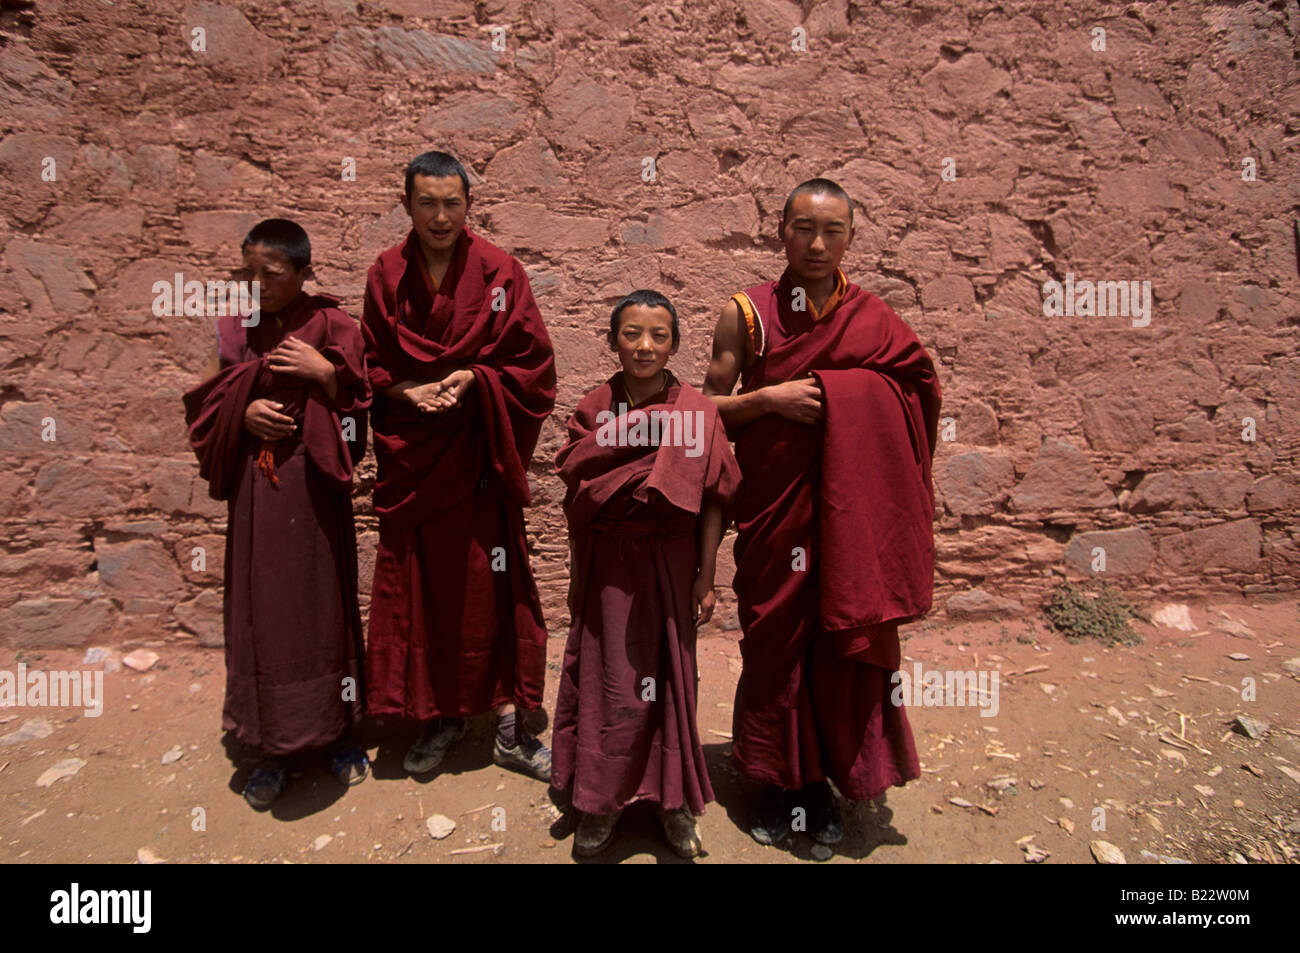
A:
<point x="990" y="147"/>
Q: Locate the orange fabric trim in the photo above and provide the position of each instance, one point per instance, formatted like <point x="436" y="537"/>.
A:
<point x="841" y="285"/>
<point x="751" y="319"/>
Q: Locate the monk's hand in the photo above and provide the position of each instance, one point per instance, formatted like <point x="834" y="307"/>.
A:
<point x="802" y="400"/>
<point x="262" y="418"/>
<point x="444" y="395"/>
<point x="295" y="356"/>
<point x="454" y="386"/>
<point x="421" y="395"/>
<point x="702" y="600"/>
<point x="425" y="397"/>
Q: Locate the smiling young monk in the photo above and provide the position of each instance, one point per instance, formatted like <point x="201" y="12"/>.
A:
<point x="464" y="375"/>
<point x="834" y="426"/>
<point x="650" y="482"/>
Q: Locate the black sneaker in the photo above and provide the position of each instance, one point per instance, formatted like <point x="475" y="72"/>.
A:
<point x="825" y="825"/>
<point x="350" y="766"/>
<point x="265" y="785"/>
<point x="439" y="735"/>
<point x="771" y="823"/>
<point x="594" y="833"/>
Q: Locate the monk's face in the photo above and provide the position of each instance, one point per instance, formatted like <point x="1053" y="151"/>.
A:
<point x="816" y="235"/>
<point x="645" y="340"/>
<point x="437" y="206"/>
<point x="278" y="281"/>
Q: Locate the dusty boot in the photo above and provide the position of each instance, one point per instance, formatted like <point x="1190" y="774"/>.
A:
<point x="679" y="828"/>
<point x="595" y="831"/>
<point x="825" y="825"/>
<point x="771" y="823"/>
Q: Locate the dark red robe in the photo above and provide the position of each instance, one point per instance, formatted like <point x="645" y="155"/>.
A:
<point x="456" y="624"/>
<point x="292" y="626"/>
<point x="852" y="498"/>
<point x="633" y="525"/>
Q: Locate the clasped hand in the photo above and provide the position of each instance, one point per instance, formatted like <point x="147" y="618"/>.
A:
<point x="437" y="397"/>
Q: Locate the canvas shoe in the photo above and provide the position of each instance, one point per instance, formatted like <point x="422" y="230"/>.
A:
<point x="350" y="766"/>
<point x="529" y="756"/>
<point x="265" y="785"/>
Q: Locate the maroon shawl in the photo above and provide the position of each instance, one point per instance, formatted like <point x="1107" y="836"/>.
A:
<point x="870" y="460"/>
<point x="483" y="318"/>
<point x="595" y="473"/>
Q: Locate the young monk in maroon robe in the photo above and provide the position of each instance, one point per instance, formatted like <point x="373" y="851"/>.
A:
<point x="835" y="426"/>
<point x="646" y="510"/>
<point x="278" y="427"/>
<point x="464" y="375"/>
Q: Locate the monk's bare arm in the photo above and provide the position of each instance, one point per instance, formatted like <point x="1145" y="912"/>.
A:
<point x="710" y="540"/>
<point x="799" y="400"/>
<point x="214" y="365"/>
<point x="731" y="351"/>
<point x="703" y="598"/>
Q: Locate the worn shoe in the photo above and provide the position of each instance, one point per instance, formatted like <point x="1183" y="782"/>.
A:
<point x="439" y="735"/>
<point x="350" y="766"/>
<point x="771" y="823"/>
<point x="529" y="756"/>
<point x="595" y="831"/>
<point x="265" y="785"/>
<point x="825" y="825"/>
<point x="679" y="828"/>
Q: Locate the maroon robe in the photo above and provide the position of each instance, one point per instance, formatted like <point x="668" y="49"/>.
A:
<point x="292" y="625"/>
<point x="456" y="624"/>
<point x="633" y="524"/>
<point x="851" y="497"/>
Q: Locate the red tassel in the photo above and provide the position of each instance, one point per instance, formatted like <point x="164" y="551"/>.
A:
<point x="266" y="463"/>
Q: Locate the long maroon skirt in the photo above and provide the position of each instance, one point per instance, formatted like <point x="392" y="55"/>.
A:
<point x="625" y="720"/>
<point x="292" y="625"/>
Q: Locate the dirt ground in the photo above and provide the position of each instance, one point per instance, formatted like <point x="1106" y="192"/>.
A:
<point x="1138" y="738"/>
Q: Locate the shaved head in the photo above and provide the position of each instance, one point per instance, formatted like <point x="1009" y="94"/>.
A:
<point x="438" y="165"/>
<point x="283" y="235"/>
<point x="817" y="187"/>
